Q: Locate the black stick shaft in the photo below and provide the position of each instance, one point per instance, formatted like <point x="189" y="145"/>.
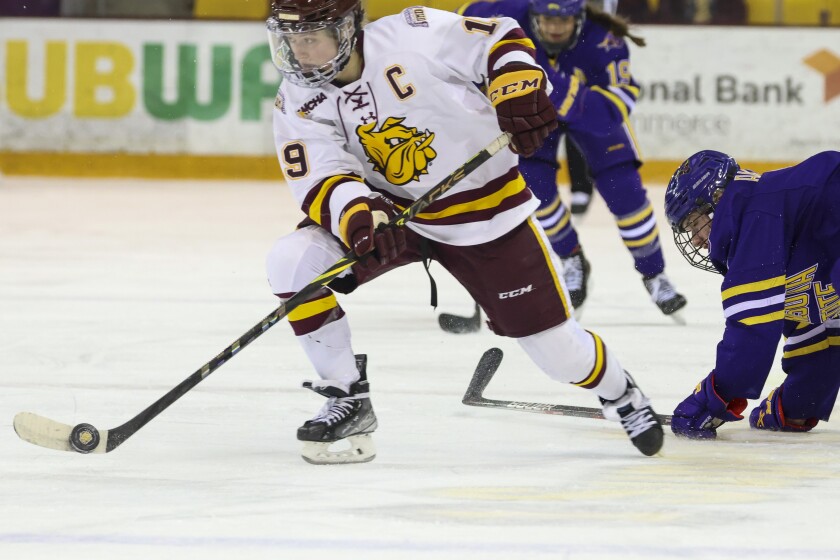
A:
<point x="118" y="435"/>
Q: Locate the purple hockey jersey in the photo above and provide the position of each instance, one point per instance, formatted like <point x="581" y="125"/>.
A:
<point x="774" y="237"/>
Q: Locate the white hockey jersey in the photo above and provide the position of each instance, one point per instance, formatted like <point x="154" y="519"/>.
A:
<point x="414" y="116"/>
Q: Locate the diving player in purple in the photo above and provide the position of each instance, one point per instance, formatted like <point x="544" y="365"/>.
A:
<point x="775" y="238"/>
<point x="573" y="39"/>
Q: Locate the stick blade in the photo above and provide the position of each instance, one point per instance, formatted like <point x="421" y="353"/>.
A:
<point x="487" y="366"/>
<point x="42" y="431"/>
<point x="458" y="324"/>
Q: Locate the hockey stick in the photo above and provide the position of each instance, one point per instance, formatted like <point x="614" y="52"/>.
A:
<point x="458" y="324"/>
<point x="487" y="366"/>
<point x="84" y="438"/>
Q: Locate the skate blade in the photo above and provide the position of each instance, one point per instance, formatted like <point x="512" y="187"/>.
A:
<point x="678" y="317"/>
<point x="360" y="450"/>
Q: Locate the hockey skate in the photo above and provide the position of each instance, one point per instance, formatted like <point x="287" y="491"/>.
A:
<point x="634" y="411"/>
<point x="580" y="202"/>
<point x="576" y="277"/>
<point x="665" y="297"/>
<point x="347" y="417"/>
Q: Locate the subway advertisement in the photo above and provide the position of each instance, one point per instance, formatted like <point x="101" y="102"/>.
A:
<point x="136" y="87"/>
<point x="195" y="88"/>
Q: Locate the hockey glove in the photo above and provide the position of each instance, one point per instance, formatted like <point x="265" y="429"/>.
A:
<point x="517" y="91"/>
<point x="701" y="413"/>
<point x="769" y="416"/>
<point x="364" y="229"/>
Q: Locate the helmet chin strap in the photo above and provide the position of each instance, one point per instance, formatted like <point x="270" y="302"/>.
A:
<point x="352" y="68"/>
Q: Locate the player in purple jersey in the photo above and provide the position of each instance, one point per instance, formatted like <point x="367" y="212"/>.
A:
<point x="573" y="39"/>
<point x="581" y="184"/>
<point x="776" y="239"/>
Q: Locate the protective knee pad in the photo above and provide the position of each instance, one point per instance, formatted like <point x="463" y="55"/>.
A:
<point x="570" y="354"/>
<point x="298" y="258"/>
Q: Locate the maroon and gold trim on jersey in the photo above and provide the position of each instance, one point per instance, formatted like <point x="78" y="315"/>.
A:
<point x="513" y="41"/>
<point x="316" y="205"/>
<point x="475" y="205"/>
<point x="597" y="374"/>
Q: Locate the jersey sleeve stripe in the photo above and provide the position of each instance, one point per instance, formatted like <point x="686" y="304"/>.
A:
<point x="571" y="95"/>
<point x="753" y="287"/>
<point x="630" y="89"/>
<point x="810" y="349"/>
<point x="513" y="41"/>
<point x="617" y="101"/>
<point x="761" y="319"/>
<point x="528" y="44"/>
<point x="798" y="339"/>
<point x="628" y="100"/>
<point x="316" y="204"/>
<point x="737" y="308"/>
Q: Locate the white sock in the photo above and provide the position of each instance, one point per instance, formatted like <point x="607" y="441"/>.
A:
<point x="330" y="352"/>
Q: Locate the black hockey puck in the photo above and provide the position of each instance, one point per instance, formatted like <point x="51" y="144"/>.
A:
<point x="84" y="438"/>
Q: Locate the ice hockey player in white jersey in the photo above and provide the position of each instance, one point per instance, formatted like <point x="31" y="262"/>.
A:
<point x="369" y="119"/>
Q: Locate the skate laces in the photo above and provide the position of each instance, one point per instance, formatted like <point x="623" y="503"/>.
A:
<point x="660" y="288"/>
<point x="573" y="271"/>
<point x="334" y="410"/>
<point x="638" y="421"/>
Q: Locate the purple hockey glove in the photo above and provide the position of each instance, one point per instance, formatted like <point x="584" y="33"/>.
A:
<point x="769" y="416"/>
<point x="702" y="412"/>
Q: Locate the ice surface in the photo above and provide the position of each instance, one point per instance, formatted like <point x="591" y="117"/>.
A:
<point x="113" y="291"/>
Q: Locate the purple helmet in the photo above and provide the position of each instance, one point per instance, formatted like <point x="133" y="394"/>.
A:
<point x="693" y="187"/>
<point x="557" y="8"/>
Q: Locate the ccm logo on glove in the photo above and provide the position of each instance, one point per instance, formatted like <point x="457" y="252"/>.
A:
<point x="514" y="84"/>
<point x="523" y="108"/>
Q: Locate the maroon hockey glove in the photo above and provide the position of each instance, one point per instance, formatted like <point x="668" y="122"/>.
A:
<point x="517" y="91"/>
<point x="364" y="229"/>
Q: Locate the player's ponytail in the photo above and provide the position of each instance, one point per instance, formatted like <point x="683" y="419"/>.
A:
<point x="617" y="25"/>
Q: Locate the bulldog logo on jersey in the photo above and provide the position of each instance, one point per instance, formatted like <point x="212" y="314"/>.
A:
<point x="401" y="154"/>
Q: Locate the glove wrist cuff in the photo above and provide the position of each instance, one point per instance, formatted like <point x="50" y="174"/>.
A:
<point x="347" y="224"/>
